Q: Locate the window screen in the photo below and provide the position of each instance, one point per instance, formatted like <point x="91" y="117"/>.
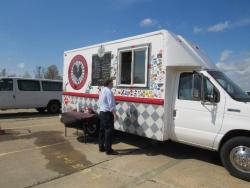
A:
<point x="139" y="66"/>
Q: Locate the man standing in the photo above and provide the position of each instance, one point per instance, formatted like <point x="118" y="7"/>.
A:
<point x="107" y="117"/>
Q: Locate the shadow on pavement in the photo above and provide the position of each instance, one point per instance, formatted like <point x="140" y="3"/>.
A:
<point x="64" y="159"/>
<point x="24" y="115"/>
<point x="151" y="148"/>
<point x="171" y="149"/>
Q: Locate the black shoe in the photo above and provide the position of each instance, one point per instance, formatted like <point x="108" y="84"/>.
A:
<point x="101" y="149"/>
<point x="112" y="152"/>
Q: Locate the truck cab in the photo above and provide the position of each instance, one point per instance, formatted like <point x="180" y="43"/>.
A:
<point x="211" y="111"/>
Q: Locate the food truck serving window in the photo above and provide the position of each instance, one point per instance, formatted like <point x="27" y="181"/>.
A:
<point x="133" y="66"/>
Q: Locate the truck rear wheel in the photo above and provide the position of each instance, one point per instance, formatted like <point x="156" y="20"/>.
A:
<point x="53" y="107"/>
<point x="93" y="130"/>
<point x="235" y="156"/>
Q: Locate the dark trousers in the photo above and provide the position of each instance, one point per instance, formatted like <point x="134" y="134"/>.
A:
<point x="106" y="130"/>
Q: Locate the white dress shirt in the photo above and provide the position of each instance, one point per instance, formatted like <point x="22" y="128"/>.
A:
<point x="106" y="100"/>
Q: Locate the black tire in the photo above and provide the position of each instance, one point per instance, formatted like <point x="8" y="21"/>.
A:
<point x="227" y="155"/>
<point x="93" y="130"/>
<point x="40" y="110"/>
<point x="54" y="107"/>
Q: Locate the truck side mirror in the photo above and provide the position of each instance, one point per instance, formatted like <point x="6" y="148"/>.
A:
<point x="214" y="97"/>
<point x="211" y="97"/>
<point x="196" y="93"/>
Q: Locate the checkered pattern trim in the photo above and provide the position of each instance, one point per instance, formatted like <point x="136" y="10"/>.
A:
<point x="136" y="118"/>
<point x="141" y="119"/>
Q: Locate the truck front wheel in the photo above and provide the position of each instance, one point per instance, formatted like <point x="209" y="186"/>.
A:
<point x="235" y="156"/>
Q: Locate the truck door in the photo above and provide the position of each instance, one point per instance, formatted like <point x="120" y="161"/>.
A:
<point x="198" y="110"/>
<point x="7" y="95"/>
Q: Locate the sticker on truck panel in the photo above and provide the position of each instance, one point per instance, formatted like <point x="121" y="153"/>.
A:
<point x="78" y="72"/>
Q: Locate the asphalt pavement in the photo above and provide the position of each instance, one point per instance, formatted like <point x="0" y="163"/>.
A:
<point x="35" y="153"/>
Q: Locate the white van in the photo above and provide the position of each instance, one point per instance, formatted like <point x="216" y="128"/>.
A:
<point x="30" y="93"/>
<point x="167" y="89"/>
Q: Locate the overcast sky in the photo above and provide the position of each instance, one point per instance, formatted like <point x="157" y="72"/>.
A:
<point x="37" y="32"/>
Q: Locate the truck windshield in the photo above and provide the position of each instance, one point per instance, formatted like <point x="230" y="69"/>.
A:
<point x="230" y="87"/>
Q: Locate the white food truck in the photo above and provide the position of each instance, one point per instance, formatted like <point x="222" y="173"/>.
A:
<point x="30" y="93"/>
<point x="167" y="89"/>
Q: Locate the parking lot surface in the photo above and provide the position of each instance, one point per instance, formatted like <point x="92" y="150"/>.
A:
<point x="35" y="153"/>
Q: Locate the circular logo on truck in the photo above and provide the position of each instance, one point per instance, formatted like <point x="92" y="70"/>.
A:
<point x="78" y="72"/>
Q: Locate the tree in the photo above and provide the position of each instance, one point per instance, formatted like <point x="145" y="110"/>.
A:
<point x="3" y="73"/>
<point x="52" y="73"/>
<point x="12" y="75"/>
<point x="26" y="75"/>
<point x="39" y="72"/>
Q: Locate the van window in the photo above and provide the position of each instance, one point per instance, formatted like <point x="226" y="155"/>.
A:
<point x="6" y="85"/>
<point x="133" y="66"/>
<point x="28" y="85"/>
<point x="190" y="85"/>
<point x="51" y="86"/>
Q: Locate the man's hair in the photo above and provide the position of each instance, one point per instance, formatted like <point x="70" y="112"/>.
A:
<point x="107" y="82"/>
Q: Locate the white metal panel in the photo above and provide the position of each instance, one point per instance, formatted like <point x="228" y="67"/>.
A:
<point x="155" y="40"/>
<point x="28" y="99"/>
<point x="181" y="53"/>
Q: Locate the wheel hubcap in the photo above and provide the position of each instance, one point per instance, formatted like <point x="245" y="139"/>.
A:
<point x="240" y="158"/>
